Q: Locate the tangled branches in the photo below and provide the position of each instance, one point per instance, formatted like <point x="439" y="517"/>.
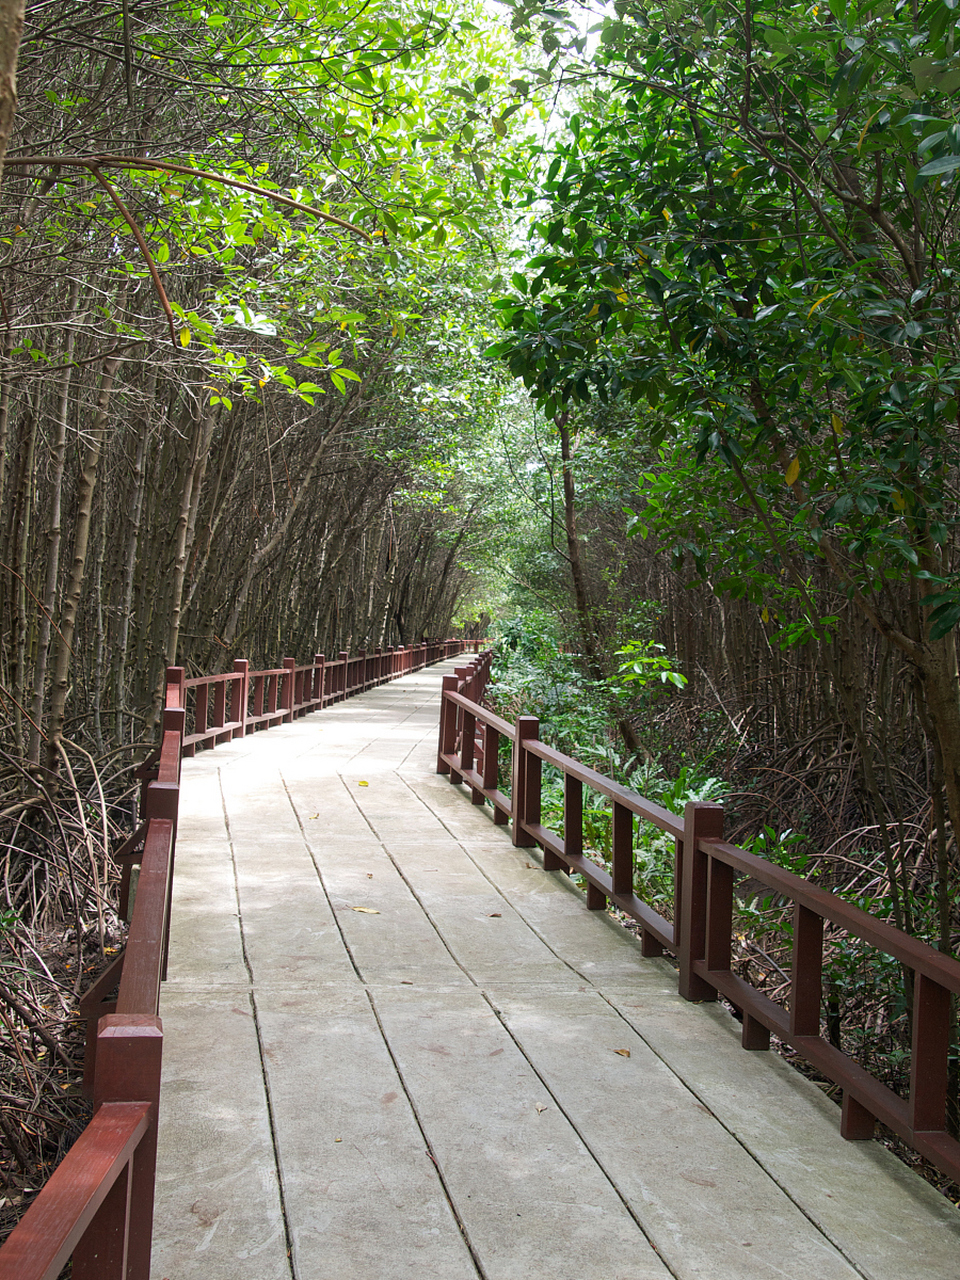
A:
<point x="59" y="927"/>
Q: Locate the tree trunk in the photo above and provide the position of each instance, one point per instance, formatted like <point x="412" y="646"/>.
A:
<point x="74" y="591"/>
<point x="54" y="527"/>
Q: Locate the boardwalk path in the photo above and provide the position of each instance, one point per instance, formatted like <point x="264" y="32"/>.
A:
<point x="440" y="1089"/>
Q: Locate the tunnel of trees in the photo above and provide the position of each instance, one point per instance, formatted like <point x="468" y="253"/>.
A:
<point x="629" y="336"/>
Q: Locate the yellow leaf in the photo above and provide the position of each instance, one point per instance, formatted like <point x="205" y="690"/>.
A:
<point x="367" y="911"/>
<point x="314" y="815"/>
<point x="837" y="424"/>
<point x="623" y="296"/>
<point x="740" y="170"/>
<point x="184" y="337"/>
<point x="765" y="615"/>
<point x="363" y="784"/>
<point x="826" y="298"/>
<point x="594" y="310"/>
<point x="863" y="131"/>
<point x="667" y="214"/>
<point x="793" y="471"/>
<point x="624" y="1053"/>
<point x="262" y="382"/>
<point x="899" y="501"/>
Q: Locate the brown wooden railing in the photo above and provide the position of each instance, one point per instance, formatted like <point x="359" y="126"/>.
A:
<point x="700" y="935"/>
<point x="242" y="701"/>
<point x="97" y="1206"/>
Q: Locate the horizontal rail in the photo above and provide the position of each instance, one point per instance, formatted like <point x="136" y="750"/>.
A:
<point x="700" y="934"/>
<point x="144" y="954"/>
<point x="902" y="946"/>
<point x="646" y="809"/>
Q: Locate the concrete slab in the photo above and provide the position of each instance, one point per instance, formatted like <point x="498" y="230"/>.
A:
<point x="361" y="1192"/>
<point x="708" y="1206"/>
<point x="534" y="1202"/>
<point x="218" y="1212"/>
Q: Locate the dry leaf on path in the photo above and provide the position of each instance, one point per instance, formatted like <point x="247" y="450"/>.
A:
<point x="494" y="915"/>
<point x="369" y="875"/>
<point x="540" y="1108"/>
<point x="624" y="1053"/>
<point x="372" y="911"/>
<point x="363" y="784"/>
<point x="314" y="815"/>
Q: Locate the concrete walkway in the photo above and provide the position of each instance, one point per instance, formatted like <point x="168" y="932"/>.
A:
<point x="395" y="1047"/>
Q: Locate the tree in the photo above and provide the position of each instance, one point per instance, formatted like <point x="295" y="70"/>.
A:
<point x="750" y="228"/>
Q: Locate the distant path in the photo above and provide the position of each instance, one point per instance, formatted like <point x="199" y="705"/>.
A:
<point x="395" y="1047"/>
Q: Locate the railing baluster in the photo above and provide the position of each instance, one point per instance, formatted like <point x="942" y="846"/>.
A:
<point x="928" y="1063"/>
<point x="238" y="697"/>
<point x="719" y="915"/>
<point x="525" y="804"/>
<point x="200" y="708"/>
<point x="448" y="728"/>
<point x="806" y="984"/>
<point x="320" y="668"/>
<point x="288" y="679"/>
<point x="622" y="850"/>
<point x="220" y="709"/>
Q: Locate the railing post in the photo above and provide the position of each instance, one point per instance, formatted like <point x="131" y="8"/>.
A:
<point x="701" y="821"/>
<point x="448" y="728"/>
<point x="286" y="702"/>
<point x="526" y="782"/>
<point x="129" y="1050"/>
<point x="238" y="697"/>
<point x="344" y="657"/>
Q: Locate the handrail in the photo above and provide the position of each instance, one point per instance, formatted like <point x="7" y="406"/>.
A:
<point x="97" y="1205"/>
<point x="700" y="934"/>
<point x="98" y="1162"/>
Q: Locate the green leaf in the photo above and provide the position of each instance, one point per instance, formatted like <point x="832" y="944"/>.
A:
<point x="942" y="164"/>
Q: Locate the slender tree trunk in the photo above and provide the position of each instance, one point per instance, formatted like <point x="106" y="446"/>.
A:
<point x="130" y="560"/>
<point x="21" y="557"/>
<point x="74" y="590"/>
<point x="11" y="31"/>
<point x="54" y="527"/>
<point x="186" y="524"/>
